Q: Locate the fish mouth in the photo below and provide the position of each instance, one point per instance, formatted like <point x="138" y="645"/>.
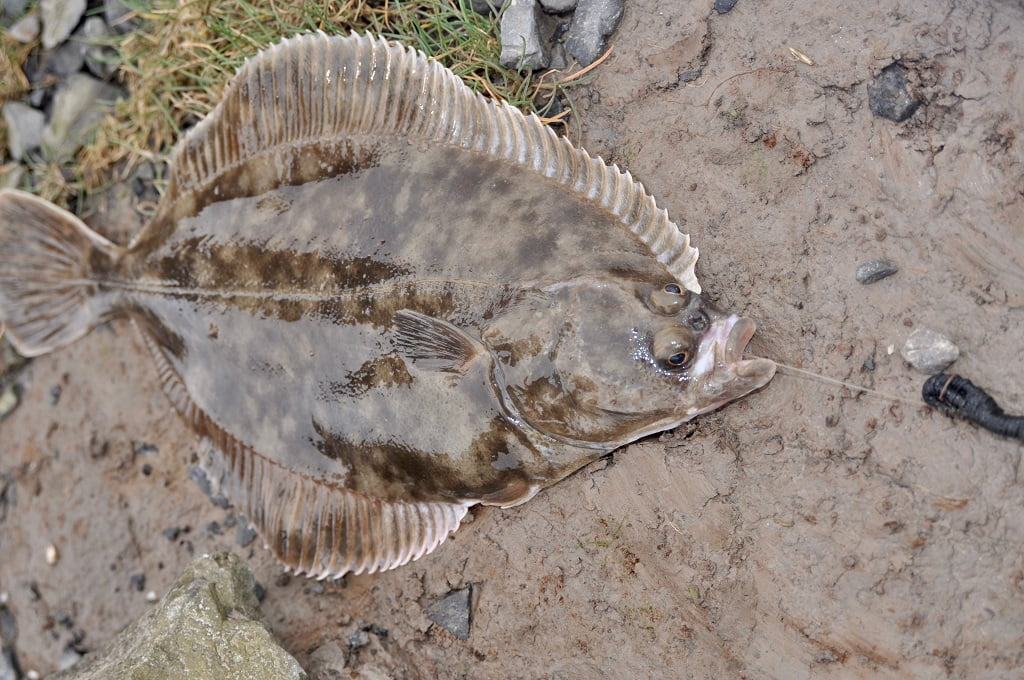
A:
<point x="756" y="368"/>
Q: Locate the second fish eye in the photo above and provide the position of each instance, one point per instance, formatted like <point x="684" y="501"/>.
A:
<point x="669" y="298"/>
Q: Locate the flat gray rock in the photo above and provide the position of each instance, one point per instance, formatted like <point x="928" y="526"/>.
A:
<point x="875" y="270"/>
<point x="558" y="6"/>
<point x="59" y="18"/>
<point x="889" y="95"/>
<point x="521" y="46"/>
<point x="78" y="107"/>
<point x="24" y="128"/>
<point x="929" y="351"/>
<point x="592" y="23"/>
<point x="451" y="612"/>
<point x="207" y="627"/>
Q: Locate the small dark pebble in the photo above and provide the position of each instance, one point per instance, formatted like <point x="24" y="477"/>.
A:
<point x="54" y="395"/>
<point x="244" y="534"/>
<point x="142" y="449"/>
<point x="173" y="533"/>
<point x="888" y="95"/>
<point x="147" y="469"/>
<point x="875" y="270"/>
<point x="358" y="639"/>
<point x="723" y="6"/>
<point x="282" y="580"/>
<point x="214" y="528"/>
<point x="868" y="365"/>
<point x="138" y="582"/>
<point x="259" y="591"/>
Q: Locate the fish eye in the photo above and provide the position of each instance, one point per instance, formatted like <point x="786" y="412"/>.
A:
<point x="670" y="298"/>
<point x="673" y="348"/>
<point x="678" y="359"/>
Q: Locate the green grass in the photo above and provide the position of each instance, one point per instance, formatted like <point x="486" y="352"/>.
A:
<point x="176" y="64"/>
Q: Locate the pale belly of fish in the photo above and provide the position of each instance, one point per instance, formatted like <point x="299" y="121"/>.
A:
<point x="385" y="299"/>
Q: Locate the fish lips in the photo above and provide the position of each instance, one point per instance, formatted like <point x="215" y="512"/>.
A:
<point x="757" y="370"/>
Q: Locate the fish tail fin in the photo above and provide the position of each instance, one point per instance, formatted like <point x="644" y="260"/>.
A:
<point x="48" y="296"/>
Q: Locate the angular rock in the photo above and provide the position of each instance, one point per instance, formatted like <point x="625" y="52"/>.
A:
<point x="24" y="128"/>
<point x="99" y="59"/>
<point x="521" y="46"/>
<point x="592" y="23"/>
<point x="78" y="107"/>
<point x="888" y="95"/>
<point x="452" y="612"/>
<point x="25" y="29"/>
<point x="66" y="59"/>
<point x="59" y="18"/>
<point x="929" y="351"/>
<point x="723" y="6"/>
<point x="208" y="626"/>
<point x="875" y="270"/>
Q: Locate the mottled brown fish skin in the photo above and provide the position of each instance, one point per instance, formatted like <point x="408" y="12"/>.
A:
<point x="384" y="298"/>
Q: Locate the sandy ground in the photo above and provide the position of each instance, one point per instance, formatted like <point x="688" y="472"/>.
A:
<point x="801" y="532"/>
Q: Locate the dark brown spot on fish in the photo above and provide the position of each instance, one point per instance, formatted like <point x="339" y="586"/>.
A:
<point x="384" y="371"/>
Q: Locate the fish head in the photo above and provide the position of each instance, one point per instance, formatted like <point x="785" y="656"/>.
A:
<point x="615" y="360"/>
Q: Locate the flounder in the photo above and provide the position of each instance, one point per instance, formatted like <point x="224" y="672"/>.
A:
<point x="384" y="299"/>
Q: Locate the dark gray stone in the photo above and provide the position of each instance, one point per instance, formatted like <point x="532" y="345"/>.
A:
<point x="452" y="612"/>
<point x="888" y="95"/>
<point x="24" y="128"/>
<point x="592" y="23"/>
<point x="244" y="534"/>
<point x="67" y="59"/>
<point x="875" y="270"/>
<point x="59" y="18"/>
<point x="723" y="6"/>
<point x="521" y="46"/>
<point x="486" y="7"/>
<point x="929" y="351"/>
<point x="208" y="625"/>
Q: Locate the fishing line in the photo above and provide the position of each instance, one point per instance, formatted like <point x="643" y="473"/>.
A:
<point x="798" y="372"/>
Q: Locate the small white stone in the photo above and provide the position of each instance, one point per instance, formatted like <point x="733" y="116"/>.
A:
<point x="151" y="596"/>
<point x="52" y="555"/>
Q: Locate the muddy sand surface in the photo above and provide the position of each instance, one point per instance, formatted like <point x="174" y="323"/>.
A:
<point x="805" y="531"/>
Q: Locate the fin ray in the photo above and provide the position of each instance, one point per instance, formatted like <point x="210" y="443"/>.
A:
<point x="357" y="87"/>
<point x="48" y="296"/>
<point x="314" y="528"/>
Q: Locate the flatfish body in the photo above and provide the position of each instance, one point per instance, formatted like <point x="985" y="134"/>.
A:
<point x="385" y="299"/>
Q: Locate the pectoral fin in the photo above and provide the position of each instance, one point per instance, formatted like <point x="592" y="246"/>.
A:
<point x="434" y="344"/>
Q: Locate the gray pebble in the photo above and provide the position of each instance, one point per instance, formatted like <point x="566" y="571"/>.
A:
<point x="99" y="59"/>
<point x="558" y="6"/>
<point x="25" y="29"/>
<point x="66" y="59"/>
<point x="24" y="128"/>
<point x="888" y="95"/>
<point x="875" y="270"/>
<point x="59" y="18"/>
<point x="120" y="17"/>
<point x="929" y="351"/>
<point x="452" y="612"/>
<point x="486" y="7"/>
<point x="10" y="397"/>
<point x="593" y="21"/>
<point x="244" y="534"/>
<point x="78" y="107"/>
<point x="723" y="6"/>
<point x="521" y="46"/>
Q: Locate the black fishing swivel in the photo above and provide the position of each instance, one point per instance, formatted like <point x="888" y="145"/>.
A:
<point x="959" y="396"/>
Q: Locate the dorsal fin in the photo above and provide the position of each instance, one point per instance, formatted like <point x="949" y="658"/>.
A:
<point x="314" y="88"/>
